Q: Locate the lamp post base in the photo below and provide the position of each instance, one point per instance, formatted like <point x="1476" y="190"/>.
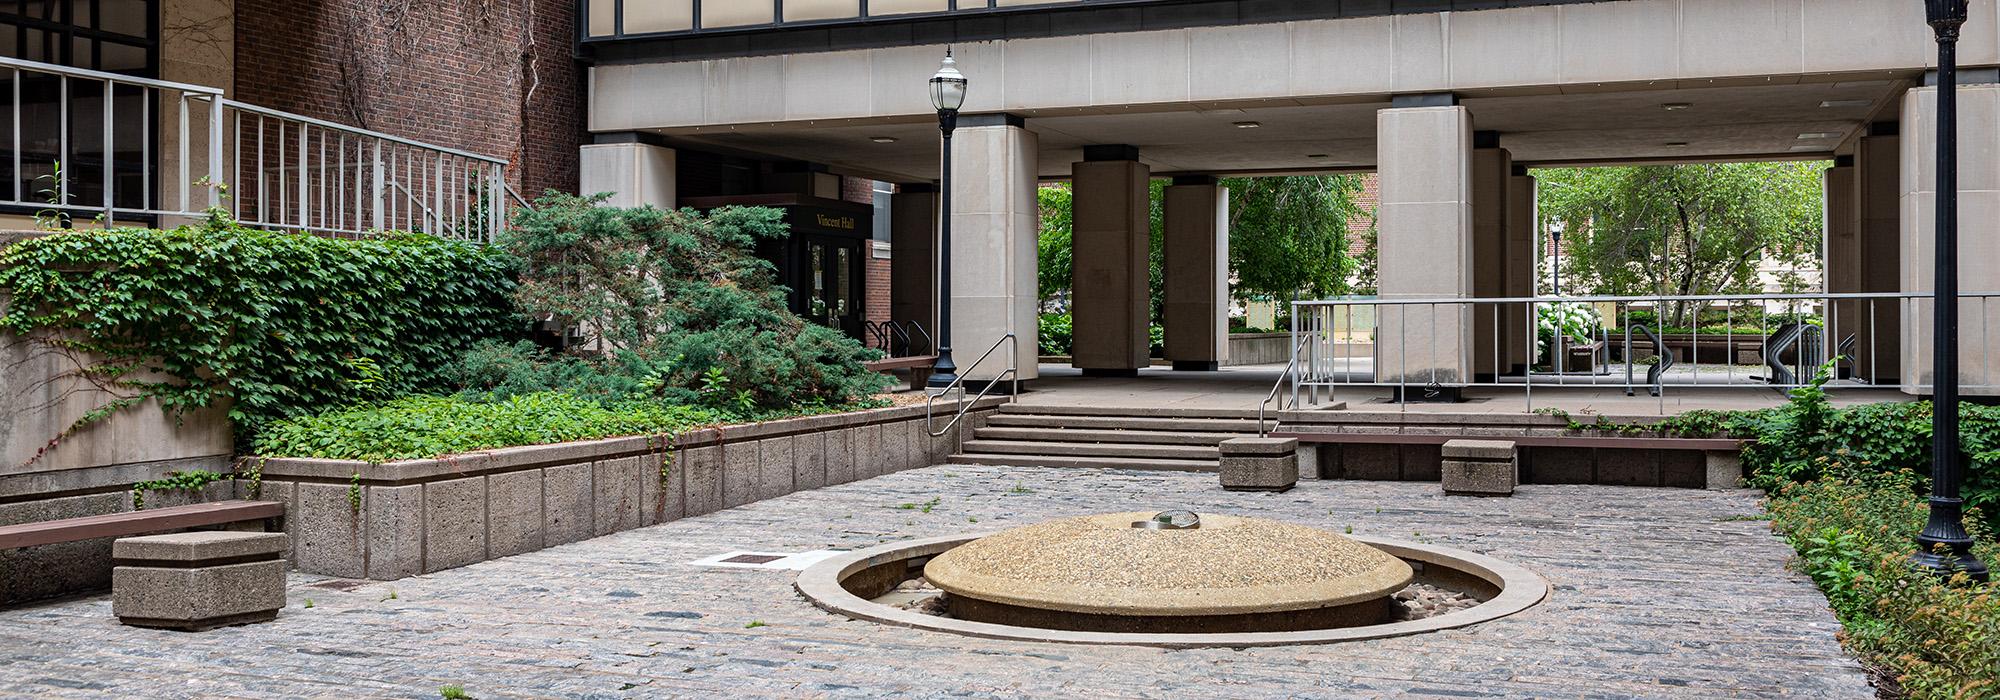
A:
<point x="944" y="372"/>
<point x="1952" y="561"/>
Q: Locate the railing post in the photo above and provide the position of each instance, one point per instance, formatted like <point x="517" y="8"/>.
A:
<point x="182" y="155"/>
<point x="378" y="188"/>
<point x="305" y="177"/>
<point x="496" y="202"/>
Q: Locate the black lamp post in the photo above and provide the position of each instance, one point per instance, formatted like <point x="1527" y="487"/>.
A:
<point x="947" y="95"/>
<point x="1944" y="546"/>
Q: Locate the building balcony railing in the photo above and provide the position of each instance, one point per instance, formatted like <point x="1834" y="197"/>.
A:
<point x="86" y="148"/>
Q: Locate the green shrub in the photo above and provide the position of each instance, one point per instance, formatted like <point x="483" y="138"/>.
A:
<point x="419" y="427"/>
<point x="1853" y="530"/>
<point x="1794" y="442"/>
<point x="1054" y="335"/>
<point x="682" y="307"/>
<point x="271" y="324"/>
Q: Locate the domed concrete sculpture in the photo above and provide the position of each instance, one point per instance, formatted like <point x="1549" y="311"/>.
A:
<point x="1128" y="572"/>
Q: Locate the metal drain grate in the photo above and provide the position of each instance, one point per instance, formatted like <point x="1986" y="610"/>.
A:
<point x="795" y="561"/>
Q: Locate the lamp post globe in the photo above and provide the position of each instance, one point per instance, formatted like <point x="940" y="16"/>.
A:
<point x="1943" y="547"/>
<point x="947" y="89"/>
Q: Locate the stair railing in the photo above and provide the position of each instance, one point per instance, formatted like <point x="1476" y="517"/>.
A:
<point x="1012" y="375"/>
<point x="1277" y="386"/>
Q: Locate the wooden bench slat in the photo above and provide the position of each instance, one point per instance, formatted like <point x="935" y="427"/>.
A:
<point x="136" y="522"/>
<point x="901" y="363"/>
<point x="1626" y="443"/>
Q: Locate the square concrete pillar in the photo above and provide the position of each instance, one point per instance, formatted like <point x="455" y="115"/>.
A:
<point x="1878" y="347"/>
<point x="1843" y="252"/>
<point x="1978" y="235"/>
<point x="1110" y="307"/>
<point x="198" y="580"/>
<point x="1517" y="341"/>
<point x="1197" y="275"/>
<point x="1492" y="174"/>
<point x="1479" y="467"/>
<point x="1424" y="240"/>
<point x="913" y="270"/>
<point x="634" y="173"/>
<point x="994" y="224"/>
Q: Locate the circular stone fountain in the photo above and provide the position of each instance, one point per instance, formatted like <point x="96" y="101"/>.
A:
<point x="1226" y="574"/>
<point x="1169" y="579"/>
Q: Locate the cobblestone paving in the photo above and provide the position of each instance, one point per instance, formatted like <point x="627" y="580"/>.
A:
<point x="1657" y="593"/>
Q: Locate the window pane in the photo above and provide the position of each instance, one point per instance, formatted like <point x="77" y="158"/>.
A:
<point x="642" y="16"/>
<point x="128" y="17"/>
<point x="122" y="58"/>
<point x="603" y="17"/>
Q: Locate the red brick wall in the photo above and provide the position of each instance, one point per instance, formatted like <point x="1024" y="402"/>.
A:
<point x="1357" y="228"/>
<point x="875" y="285"/>
<point x="492" y="77"/>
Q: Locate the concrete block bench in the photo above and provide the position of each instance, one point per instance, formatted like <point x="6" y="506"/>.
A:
<point x="1260" y="464"/>
<point x="196" y="581"/>
<point x="1479" y="468"/>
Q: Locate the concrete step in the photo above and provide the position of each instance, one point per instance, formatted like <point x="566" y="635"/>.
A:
<point x="1128" y="411"/>
<point x="1144" y="437"/>
<point x="1078" y="449"/>
<point x="1177" y="465"/>
<point x="1177" y="425"/>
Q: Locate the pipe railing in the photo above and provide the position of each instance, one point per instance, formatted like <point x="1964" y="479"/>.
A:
<point x="1012" y="375"/>
<point x="264" y="167"/>
<point x="1773" y="341"/>
<point x="1279" y="386"/>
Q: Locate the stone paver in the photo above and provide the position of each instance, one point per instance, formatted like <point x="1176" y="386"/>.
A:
<point x="1657" y="593"/>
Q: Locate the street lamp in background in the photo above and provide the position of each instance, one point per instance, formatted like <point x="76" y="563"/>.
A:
<point x="1944" y="546"/>
<point x="947" y="95"/>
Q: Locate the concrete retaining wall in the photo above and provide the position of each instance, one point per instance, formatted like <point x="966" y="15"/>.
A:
<point x="388" y="521"/>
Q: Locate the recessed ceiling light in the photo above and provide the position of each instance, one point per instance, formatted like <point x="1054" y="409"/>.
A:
<point x="1677" y="144"/>
<point x="1248" y="125"/>
<point x="882" y="139"/>
<point x="1829" y="104"/>
<point x="1803" y="147"/>
<point x="1817" y="135"/>
<point x="1317" y="155"/>
<point x="1677" y="106"/>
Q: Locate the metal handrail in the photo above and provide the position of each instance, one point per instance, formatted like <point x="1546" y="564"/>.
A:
<point x="85" y="73"/>
<point x="267" y="167"/>
<point x="1012" y="374"/>
<point x="1298" y="349"/>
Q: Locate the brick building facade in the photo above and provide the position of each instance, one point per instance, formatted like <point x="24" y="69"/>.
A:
<point x="496" y="77"/>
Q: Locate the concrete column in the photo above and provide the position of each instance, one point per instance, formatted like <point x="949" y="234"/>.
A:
<point x="1197" y="274"/>
<point x="1424" y="224"/>
<point x="634" y="173"/>
<point x="913" y="269"/>
<point x="994" y="223"/>
<point x="1878" y="347"/>
<point x="1492" y="173"/>
<point x="1111" y="248"/>
<point x="1843" y="250"/>
<point x="1978" y="235"/>
<point x="1516" y="339"/>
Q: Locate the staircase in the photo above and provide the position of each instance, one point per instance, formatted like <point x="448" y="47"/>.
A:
<point x="1115" y="438"/>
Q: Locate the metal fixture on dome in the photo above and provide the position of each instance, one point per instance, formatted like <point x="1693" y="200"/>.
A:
<point x="1170" y="520"/>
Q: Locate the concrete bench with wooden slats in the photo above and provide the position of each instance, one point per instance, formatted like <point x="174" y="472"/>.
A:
<point x="139" y="522"/>
<point x="895" y="363"/>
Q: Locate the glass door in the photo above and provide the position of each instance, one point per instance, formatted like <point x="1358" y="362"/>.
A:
<point x="833" y="283"/>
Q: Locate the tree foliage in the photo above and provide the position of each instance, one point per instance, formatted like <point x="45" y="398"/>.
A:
<point x="1289" y="234"/>
<point x="678" y="303"/>
<point x="1682" y="229"/>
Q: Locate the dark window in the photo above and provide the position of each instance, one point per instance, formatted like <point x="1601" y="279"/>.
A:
<point x="114" y="36"/>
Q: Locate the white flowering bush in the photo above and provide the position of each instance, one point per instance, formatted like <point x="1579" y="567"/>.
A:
<point x="1577" y="320"/>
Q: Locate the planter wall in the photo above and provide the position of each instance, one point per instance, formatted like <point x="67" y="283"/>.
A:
<point x="1276" y="349"/>
<point x="388" y="521"/>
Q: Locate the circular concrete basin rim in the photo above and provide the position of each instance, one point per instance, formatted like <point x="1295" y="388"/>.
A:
<point x="1520" y="589"/>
